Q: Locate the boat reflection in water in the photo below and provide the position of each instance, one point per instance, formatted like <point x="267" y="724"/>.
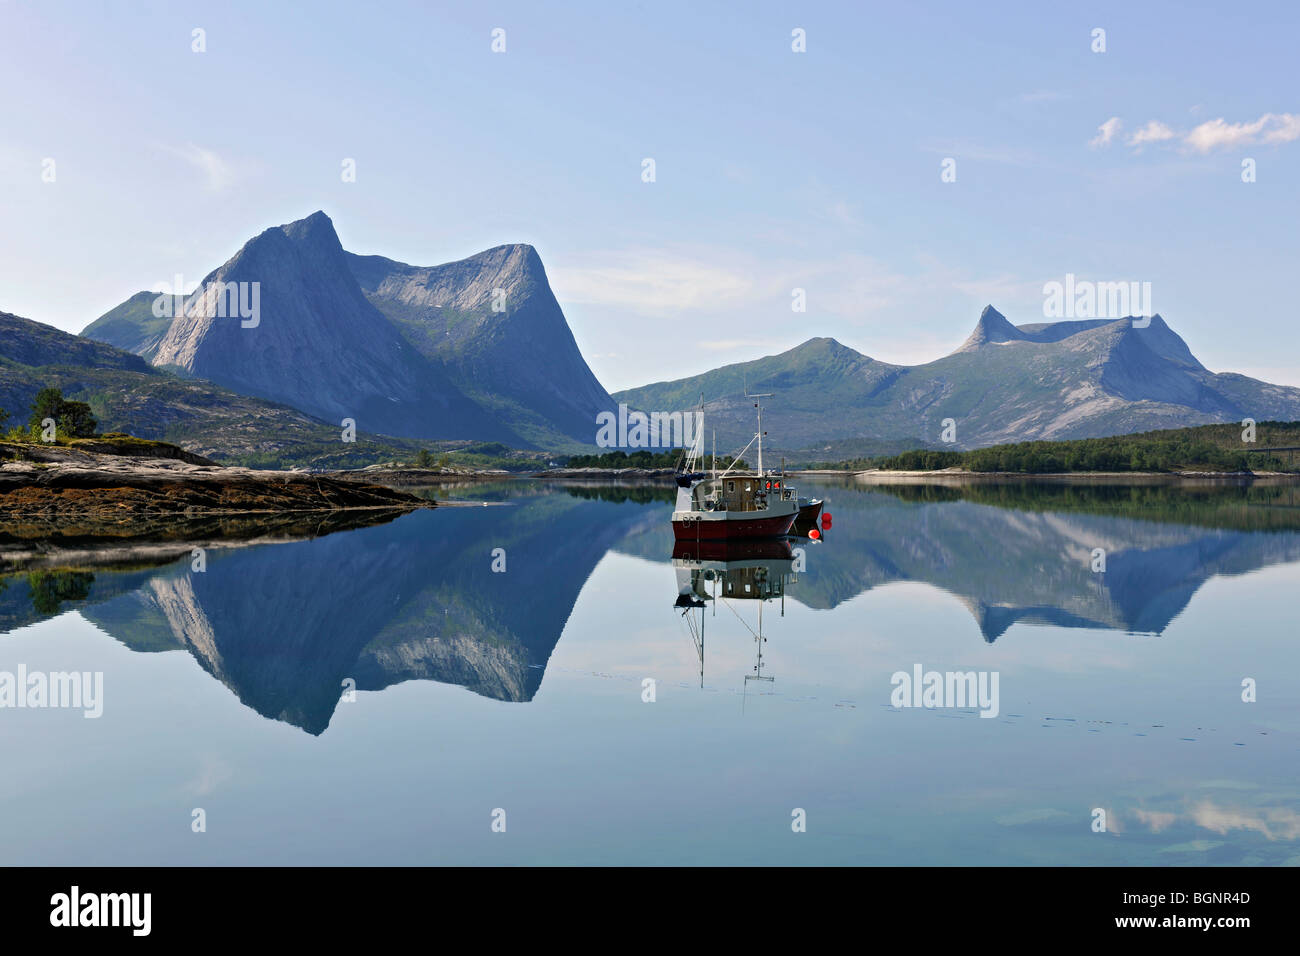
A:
<point x="710" y="573"/>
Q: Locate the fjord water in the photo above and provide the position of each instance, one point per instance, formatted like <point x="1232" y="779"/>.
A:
<point x="522" y="689"/>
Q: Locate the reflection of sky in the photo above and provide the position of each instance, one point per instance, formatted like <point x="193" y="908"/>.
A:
<point x="1148" y="728"/>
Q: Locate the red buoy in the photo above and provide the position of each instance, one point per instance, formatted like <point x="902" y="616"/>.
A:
<point x="814" y="534"/>
<point x="826" y="518"/>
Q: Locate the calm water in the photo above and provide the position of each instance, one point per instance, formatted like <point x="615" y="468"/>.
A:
<point x="522" y="690"/>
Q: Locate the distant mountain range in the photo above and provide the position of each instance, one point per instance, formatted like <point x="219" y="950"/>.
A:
<point x="476" y="349"/>
<point x="1006" y="383"/>
<point x="480" y="350"/>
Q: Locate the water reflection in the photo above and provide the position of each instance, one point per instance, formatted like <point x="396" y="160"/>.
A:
<point x="713" y="573"/>
<point x="284" y="621"/>
<point x="1025" y="553"/>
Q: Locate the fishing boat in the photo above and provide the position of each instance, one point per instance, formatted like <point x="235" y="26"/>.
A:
<point x="734" y="504"/>
<point x="809" y="509"/>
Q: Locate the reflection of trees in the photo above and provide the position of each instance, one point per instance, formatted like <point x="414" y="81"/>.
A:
<point x="51" y="588"/>
<point x="638" y="494"/>
<point x="1244" y="506"/>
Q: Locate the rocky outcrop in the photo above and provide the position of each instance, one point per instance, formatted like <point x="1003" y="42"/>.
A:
<point x="61" y="487"/>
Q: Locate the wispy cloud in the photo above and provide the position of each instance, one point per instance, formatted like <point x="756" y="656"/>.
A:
<point x="1153" y="132"/>
<point x="1269" y="129"/>
<point x="650" y="282"/>
<point x="709" y="280"/>
<point x="828" y="204"/>
<point x="1106" y="132"/>
<point x="217" y="173"/>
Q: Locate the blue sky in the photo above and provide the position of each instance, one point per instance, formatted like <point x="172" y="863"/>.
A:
<point x="774" y="169"/>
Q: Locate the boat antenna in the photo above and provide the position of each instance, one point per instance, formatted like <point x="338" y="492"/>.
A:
<point x="759" y="406"/>
<point x="745" y="383"/>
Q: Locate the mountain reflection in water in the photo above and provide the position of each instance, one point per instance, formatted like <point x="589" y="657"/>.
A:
<point x="284" y="625"/>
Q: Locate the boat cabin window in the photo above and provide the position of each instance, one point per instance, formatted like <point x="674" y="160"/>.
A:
<point x="731" y="486"/>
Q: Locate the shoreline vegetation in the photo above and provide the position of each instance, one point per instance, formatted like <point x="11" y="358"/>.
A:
<point x="1224" y="505"/>
<point x="956" y="476"/>
<point x="1232" y="450"/>
<point x="82" y="484"/>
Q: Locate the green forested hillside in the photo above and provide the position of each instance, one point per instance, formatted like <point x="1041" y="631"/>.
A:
<point x="1202" y="448"/>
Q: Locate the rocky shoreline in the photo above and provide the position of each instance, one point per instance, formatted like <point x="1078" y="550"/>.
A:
<point x="93" y="482"/>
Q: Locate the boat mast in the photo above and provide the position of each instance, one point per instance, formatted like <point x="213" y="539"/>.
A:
<point x="759" y="406"/>
<point x="697" y="440"/>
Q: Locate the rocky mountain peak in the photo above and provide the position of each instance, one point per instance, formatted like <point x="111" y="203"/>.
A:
<point x="315" y="230"/>
<point x="992" y="327"/>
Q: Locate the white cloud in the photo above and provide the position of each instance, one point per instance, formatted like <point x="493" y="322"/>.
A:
<point x="217" y="173"/>
<point x="1106" y="132"/>
<point x="1154" y="132"/>
<point x="655" y="282"/>
<point x="1268" y="129"/>
<point x="711" y="281"/>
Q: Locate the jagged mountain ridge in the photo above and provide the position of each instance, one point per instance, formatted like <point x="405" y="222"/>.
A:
<point x="418" y="352"/>
<point x="1006" y="383"/>
<point x="317" y="344"/>
<point x="493" y="322"/>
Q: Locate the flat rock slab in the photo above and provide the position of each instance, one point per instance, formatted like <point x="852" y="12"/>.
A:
<point x="61" y="483"/>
